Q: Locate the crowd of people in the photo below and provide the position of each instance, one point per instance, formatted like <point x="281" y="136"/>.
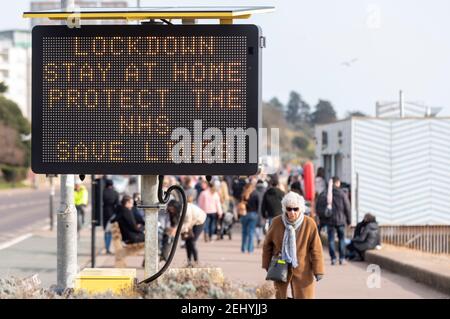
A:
<point x="272" y="213"/>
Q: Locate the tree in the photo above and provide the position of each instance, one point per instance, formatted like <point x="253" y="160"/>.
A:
<point x="324" y="113"/>
<point x="300" y="142"/>
<point x="12" y="125"/>
<point x="293" y="107"/>
<point x="304" y="113"/>
<point x="355" y="113"/>
<point x="12" y="152"/>
<point x="298" y="110"/>
<point x="275" y="102"/>
<point x="11" y="115"/>
<point x="3" y="87"/>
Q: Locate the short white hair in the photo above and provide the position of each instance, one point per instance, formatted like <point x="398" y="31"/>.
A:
<point x="293" y="199"/>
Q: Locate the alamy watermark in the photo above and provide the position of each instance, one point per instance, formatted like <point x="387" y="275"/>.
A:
<point x="74" y="19"/>
<point x="229" y="145"/>
<point x="374" y="279"/>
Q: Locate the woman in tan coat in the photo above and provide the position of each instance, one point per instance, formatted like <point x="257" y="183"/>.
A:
<point x="295" y="238"/>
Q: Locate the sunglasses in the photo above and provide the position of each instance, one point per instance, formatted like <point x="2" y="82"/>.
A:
<point x="290" y="209"/>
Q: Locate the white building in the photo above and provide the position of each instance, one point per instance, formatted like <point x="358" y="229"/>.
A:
<point x="398" y="167"/>
<point x="15" y="67"/>
<point x="48" y="5"/>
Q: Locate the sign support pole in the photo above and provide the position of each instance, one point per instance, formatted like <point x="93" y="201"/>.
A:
<point x="66" y="235"/>
<point x="66" y="224"/>
<point x="150" y="197"/>
<point x="51" y="197"/>
<point x="97" y="205"/>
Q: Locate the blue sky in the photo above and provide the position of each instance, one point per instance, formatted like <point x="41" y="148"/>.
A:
<point x="395" y="44"/>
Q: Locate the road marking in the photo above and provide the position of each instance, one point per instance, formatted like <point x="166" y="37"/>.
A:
<point x="15" y="241"/>
<point x="26" y="204"/>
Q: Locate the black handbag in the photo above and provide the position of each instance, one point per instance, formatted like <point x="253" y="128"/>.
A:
<point x="278" y="270"/>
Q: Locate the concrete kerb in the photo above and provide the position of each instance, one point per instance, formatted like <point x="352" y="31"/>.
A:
<point x="435" y="280"/>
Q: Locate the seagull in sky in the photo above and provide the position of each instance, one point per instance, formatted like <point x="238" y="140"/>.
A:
<point x="349" y="63"/>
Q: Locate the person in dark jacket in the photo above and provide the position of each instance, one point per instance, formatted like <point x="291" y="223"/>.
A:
<point x="271" y="205"/>
<point x="250" y="219"/>
<point x="366" y="237"/>
<point x="110" y="203"/>
<point x="296" y="187"/>
<point x="131" y="232"/>
<point x="238" y="187"/>
<point x="321" y="205"/>
<point x="259" y="191"/>
<point x="340" y="217"/>
<point x="174" y="212"/>
<point x="200" y="186"/>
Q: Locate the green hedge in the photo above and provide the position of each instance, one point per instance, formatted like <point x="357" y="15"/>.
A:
<point x="14" y="174"/>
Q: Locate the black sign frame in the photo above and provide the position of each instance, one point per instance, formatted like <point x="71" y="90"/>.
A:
<point x="253" y="93"/>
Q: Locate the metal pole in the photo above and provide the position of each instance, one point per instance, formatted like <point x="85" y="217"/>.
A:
<point x="139" y="184"/>
<point x="150" y="197"/>
<point x="51" y="197"/>
<point x="94" y="202"/>
<point x="66" y="222"/>
<point x="66" y="235"/>
<point x="402" y="106"/>
<point x="149" y="184"/>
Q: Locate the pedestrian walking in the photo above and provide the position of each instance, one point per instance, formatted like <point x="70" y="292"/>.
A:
<point x="248" y="217"/>
<point x="225" y="200"/>
<point x="319" y="181"/>
<point x="188" y="185"/>
<point x="110" y="204"/>
<point x="322" y="205"/>
<point x="294" y="239"/>
<point x="296" y="187"/>
<point x="209" y="202"/>
<point x="193" y="224"/>
<point x="259" y="191"/>
<point x="200" y="186"/>
<point x="271" y="205"/>
<point x="81" y="198"/>
<point x="237" y="188"/>
<point x="169" y="227"/>
<point x="340" y="217"/>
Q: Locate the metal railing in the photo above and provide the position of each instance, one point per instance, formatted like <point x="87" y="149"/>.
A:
<point x="430" y="239"/>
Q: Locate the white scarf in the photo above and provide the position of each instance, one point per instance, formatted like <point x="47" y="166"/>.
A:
<point x="289" y="248"/>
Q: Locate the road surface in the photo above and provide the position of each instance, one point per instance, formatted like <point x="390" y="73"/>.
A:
<point x="22" y="211"/>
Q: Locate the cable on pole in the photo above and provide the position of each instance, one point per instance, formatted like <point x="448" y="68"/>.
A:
<point x="163" y="198"/>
